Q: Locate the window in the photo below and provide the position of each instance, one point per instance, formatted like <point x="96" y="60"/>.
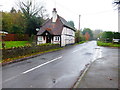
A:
<point x="39" y="38"/>
<point x="57" y="38"/>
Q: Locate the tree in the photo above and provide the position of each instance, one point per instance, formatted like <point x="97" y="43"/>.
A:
<point x="31" y="12"/>
<point x="117" y="3"/>
<point x="87" y="36"/>
<point x="71" y="23"/>
<point x="116" y="35"/>
<point x="107" y="36"/>
<point x="13" y="22"/>
<point x="13" y="10"/>
<point x="89" y="32"/>
<point x="6" y="22"/>
<point x="78" y="36"/>
<point x="96" y="33"/>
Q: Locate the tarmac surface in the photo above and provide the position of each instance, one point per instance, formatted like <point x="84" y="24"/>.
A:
<point x="103" y="73"/>
<point x="59" y="69"/>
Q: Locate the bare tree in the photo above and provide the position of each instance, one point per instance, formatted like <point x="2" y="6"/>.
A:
<point x="32" y="10"/>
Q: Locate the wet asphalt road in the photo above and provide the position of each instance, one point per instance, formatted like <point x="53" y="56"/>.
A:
<point x="59" y="69"/>
<point x="103" y="73"/>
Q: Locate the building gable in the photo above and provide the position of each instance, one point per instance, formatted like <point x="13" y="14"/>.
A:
<point x="55" y="25"/>
<point x="54" y="28"/>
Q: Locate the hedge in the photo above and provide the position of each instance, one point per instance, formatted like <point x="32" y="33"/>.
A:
<point x="22" y="51"/>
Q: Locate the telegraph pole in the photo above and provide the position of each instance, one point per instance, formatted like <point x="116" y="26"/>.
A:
<point x="119" y="17"/>
<point x="79" y="22"/>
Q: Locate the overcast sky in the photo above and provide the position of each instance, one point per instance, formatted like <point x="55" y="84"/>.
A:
<point x="95" y="14"/>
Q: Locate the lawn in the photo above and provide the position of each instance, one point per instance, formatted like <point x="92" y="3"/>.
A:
<point x="100" y="43"/>
<point x="10" y="44"/>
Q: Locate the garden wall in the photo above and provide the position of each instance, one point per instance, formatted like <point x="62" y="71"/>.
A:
<point x="22" y="51"/>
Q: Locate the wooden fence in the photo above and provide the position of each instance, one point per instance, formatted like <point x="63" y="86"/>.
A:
<point x="15" y="37"/>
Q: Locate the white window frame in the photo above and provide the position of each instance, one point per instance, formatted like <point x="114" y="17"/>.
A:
<point x="40" y="38"/>
<point x="57" y="38"/>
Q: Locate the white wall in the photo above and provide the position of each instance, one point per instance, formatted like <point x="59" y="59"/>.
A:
<point x="40" y="40"/>
<point x="67" y="37"/>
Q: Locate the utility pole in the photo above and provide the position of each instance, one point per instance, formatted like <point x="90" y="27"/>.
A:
<point x="119" y="17"/>
<point x="79" y="22"/>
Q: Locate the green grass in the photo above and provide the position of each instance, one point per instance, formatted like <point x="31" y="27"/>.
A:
<point x="10" y="44"/>
<point x="100" y="43"/>
<point x="81" y="42"/>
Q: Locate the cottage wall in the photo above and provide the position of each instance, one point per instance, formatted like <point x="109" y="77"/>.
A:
<point x="67" y="36"/>
<point x="41" y="40"/>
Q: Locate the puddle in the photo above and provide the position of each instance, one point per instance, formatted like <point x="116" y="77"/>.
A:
<point x="88" y="53"/>
<point x="29" y="62"/>
<point x="97" y="54"/>
<point x="43" y="58"/>
<point x="97" y="48"/>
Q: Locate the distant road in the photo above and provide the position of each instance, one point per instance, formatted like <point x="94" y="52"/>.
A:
<point x="59" y="69"/>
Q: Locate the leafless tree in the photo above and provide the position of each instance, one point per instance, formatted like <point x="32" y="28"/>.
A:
<point x="32" y="8"/>
<point x="34" y="13"/>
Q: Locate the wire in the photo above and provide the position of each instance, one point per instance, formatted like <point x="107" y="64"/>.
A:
<point x="76" y="13"/>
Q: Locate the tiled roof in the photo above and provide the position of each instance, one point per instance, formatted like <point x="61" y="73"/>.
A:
<point x="54" y="28"/>
<point x="65" y="23"/>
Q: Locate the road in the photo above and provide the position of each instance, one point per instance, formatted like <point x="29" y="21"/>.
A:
<point x="104" y="72"/>
<point x="59" y="69"/>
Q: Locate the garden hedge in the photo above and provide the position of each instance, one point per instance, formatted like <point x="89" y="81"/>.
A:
<point x="22" y="51"/>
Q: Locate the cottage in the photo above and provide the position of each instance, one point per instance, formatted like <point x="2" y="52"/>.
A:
<point x="56" y="30"/>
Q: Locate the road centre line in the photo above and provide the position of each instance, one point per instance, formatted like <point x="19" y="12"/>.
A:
<point x="10" y="78"/>
<point x="31" y="69"/>
<point x="75" y="51"/>
<point x="41" y="65"/>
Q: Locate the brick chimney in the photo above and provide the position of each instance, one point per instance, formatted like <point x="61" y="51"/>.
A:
<point x="54" y="15"/>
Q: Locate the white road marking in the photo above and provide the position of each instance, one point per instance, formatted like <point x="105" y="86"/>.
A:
<point x="41" y="65"/>
<point x="10" y="78"/>
<point x="31" y="69"/>
<point x="75" y="51"/>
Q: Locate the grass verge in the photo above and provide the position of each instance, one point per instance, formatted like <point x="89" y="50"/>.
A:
<point x="81" y="42"/>
<point x="100" y="43"/>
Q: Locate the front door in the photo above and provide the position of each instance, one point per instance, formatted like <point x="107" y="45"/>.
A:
<point x="48" y="39"/>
